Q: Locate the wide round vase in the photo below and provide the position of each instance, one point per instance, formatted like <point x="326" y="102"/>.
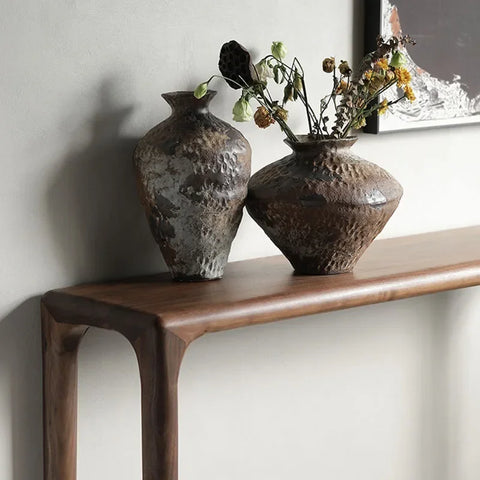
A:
<point x="192" y="171"/>
<point x="322" y="205"/>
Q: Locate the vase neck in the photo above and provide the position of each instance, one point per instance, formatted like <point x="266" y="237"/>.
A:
<point x="314" y="151"/>
<point x="183" y="102"/>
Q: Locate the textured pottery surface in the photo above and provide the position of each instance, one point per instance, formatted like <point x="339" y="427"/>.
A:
<point x="322" y="206"/>
<point x="192" y="172"/>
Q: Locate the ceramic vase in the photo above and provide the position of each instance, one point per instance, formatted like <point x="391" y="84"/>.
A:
<point x="322" y="206"/>
<point x="192" y="172"/>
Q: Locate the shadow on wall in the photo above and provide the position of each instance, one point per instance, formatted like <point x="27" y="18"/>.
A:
<point x="358" y="19"/>
<point x="99" y="231"/>
<point x="21" y="387"/>
<point x="96" y="217"/>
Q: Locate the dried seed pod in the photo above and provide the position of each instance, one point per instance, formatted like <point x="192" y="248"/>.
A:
<point x="236" y="65"/>
<point x="328" y="64"/>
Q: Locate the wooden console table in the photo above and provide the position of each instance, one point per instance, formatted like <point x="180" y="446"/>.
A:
<point x="161" y="318"/>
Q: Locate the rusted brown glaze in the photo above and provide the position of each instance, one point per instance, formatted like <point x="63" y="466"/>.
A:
<point x="192" y="171"/>
<point x="322" y="206"/>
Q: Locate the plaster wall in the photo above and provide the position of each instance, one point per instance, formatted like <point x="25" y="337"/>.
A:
<point x="373" y="393"/>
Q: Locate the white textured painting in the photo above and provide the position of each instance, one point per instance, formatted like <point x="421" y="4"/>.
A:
<point x="445" y="63"/>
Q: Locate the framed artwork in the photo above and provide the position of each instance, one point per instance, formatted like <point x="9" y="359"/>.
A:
<point x="445" y="62"/>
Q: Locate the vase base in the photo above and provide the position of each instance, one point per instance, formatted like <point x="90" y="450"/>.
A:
<point x="193" y="278"/>
<point x="302" y="271"/>
<point x="329" y="263"/>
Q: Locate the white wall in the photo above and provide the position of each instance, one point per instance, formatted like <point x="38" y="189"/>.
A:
<point x="375" y="393"/>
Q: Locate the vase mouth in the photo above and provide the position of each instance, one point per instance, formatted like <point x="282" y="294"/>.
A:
<point x="306" y="142"/>
<point x="185" y="99"/>
<point x="187" y="93"/>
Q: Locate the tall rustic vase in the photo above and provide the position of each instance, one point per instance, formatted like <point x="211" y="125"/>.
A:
<point x="322" y="206"/>
<point x="192" y="172"/>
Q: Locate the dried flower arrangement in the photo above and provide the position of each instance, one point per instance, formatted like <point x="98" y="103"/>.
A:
<point x="354" y="95"/>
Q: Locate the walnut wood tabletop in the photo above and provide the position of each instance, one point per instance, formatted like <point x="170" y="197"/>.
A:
<point x="161" y="318"/>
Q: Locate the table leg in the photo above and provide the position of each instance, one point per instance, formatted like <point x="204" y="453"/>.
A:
<point x="159" y="355"/>
<point x="60" y="346"/>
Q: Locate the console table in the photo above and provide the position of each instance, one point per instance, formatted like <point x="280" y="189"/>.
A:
<point x="161" y="318"/>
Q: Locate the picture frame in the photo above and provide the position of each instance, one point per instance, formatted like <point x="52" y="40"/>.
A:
<point x="445" y="62"/>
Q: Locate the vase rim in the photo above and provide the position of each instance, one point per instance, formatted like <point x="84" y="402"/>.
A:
<point x="187" y="93"/>
<point x="306" y="142"/>
<point x="184" y="100"/>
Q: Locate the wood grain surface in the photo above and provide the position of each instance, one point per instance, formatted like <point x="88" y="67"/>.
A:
<point x="265" y="289"/>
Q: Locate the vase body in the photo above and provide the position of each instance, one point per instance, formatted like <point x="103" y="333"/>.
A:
<point x="322" y="206"/>
<point x="192" y="172"/>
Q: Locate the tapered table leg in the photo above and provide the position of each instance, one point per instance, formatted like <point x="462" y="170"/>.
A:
<point x="60" y="347"/>
<point x="159" y="355"/>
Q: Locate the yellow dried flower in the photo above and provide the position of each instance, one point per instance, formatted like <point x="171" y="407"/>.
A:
<point x="409" y="93"/>
<point x="383" y="107"/>
<point x="361" y="122"/>
<point x="403" y="76"/>
<point x="341" y="87"/>
<point x="328" y="64"/>
<point x="368" y="74"/>
<point x="262" y="117"/>
<point x="382" y="64"/>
